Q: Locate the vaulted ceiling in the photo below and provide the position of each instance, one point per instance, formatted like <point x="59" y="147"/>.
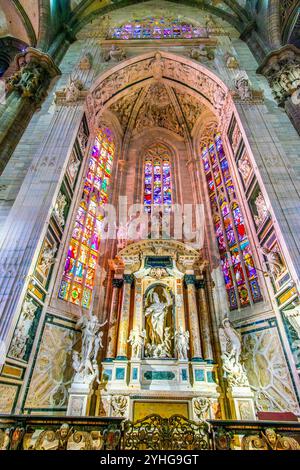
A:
<point x="157" y="105"/>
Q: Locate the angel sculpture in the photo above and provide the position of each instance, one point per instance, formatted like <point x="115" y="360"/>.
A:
<point x="136" y="339"/>
<point x="182" y="343"/>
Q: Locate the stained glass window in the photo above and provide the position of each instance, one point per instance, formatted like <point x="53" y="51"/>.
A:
<point x="240" y="275"/>
<point x="157" y="28"/>
<point x="80" y="266"/>
<point x="157" y="180"/>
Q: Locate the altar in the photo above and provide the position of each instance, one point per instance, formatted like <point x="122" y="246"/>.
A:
<point x="159" y="351"/>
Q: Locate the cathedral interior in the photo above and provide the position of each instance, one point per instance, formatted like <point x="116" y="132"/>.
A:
<point x="149" y="222"/>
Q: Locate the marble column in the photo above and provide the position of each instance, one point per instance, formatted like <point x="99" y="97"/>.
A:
<point x="117" y="283"/>
<point x="205" y="324"/>
<point x="124" y="318"/>
<point x="137" y="315"/>
<point x="180" y="314"/>
<point x="195" y="341"/>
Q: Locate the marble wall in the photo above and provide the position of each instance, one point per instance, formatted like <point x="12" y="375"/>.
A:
<point x="52" y="369"/>
<point x="267" y="369"/>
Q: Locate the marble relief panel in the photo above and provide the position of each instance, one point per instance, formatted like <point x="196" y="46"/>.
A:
<point x="268" y="372"/>
<point x="7" y="398"/>
<point x="53" y="372"/>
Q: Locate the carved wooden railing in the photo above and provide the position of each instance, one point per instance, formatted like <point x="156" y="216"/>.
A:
<point x="59" y="433"/>
<point x="151" y="433"/>
<point x="255" y="435"/>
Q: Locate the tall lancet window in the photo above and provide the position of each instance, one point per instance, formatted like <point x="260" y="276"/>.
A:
<point x="157" y="178"/>
<point x="238" y="268"/>
<point x="80" y="266"/>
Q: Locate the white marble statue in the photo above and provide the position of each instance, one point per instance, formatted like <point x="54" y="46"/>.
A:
<point x="182" y="343"/>
<point x="59" y="209"/>
<point x="136" y="340"/>
<point x="85" y="364"/>
<point x="230" y="341"/>
<point x="21" y="334"/>
<point x="274" y="262"/>
<point x="47" y="258"/>
<point x="73" y="167"/>
<point x="262" y="210"/>
<point x="156" y="313"/>
<point x="73" y="89"/>
<point x="243" y="86"/>
<point x="244" y="167"/>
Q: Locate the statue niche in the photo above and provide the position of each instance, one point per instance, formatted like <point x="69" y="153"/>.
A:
<point x="159" y="322"/>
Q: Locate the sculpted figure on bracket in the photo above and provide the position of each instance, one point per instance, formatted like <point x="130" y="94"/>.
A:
<point x="274" y="262"/>
<point x="116" y="54"/>
<point x="262" y="210"/>
<point x="243" y="86"/>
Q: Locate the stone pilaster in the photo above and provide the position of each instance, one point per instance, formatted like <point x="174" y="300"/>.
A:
<point x="27" y="223"/>
<point x="205" y="323"/>
<point x="196" y="351"/>
<point x="113" y="320"/>
<point x="124" y="318"/>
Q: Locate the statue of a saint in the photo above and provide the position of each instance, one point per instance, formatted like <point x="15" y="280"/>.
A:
<point x="156" y="314"/>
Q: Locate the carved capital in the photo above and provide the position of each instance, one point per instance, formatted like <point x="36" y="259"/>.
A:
<point x="200" y="284"/>
<point x="128" y="279"/>
<point x="282" y="70"/>
<point x="35" y="70"/>
<point x="190" y="279"/>
<point x="117" y="282"/>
